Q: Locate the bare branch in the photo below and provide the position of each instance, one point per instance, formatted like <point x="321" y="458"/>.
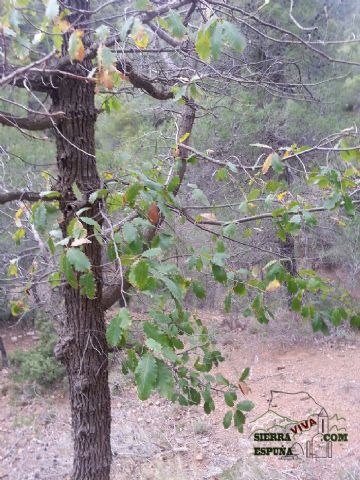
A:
<point x="143" y="82"/>
<point x="21" y="70"/>
<point x="6" y="197"/>
<point x="40" y="121"/>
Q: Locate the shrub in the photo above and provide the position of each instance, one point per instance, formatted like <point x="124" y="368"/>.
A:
<point x="38" y="364"/>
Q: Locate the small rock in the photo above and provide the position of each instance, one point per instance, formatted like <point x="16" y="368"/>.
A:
<point x="140" y="419"/>
<point x="199" y="457"/>
<point x="14" y="339"/>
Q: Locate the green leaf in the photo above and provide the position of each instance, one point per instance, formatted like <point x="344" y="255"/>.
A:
<point x="91" y="221"/>
<point x="319" y="325"/>
<point x="55" y="279"/>
<point x="227" y="419"/>
<point x="50" y="194"/>
<point x="227" y="303"/>
<point x="129" y="232"/>
<point x="219" y="274"/>
<point x="245" y="406"/>
<point x="239" y="420"/>
<point x="132" y="192"/>
<point x="102" y="193"/>
<point x="51" y="245"/>
<point x="222" y="174"/>
<point x="146" y="375"/>
<point x="230" y="230"/>
<point x="175" y="24"/>
<point x="173" y="288"/>
<point x="102" y="32"/>
<point x="296" y="304"/>
<point x="118" y="327"/>
<point x="216" y="40"/>
<point x="76" y="191"/>
<point x="88" y="285"/>
<point x="230" y="398"/>
<point x="152" y="252"/>
<point x="355" y="321"/>
<point x="239" y="288"/>
<point x="114" y="202"/>
<point x="254" y="194"/>
<point x="198" y="194"/>
<point x="75" y="45"/>
<point x="78" y="259"/>
<point x="18" y="235"/>
<point x="349" y="206"/>
<point x="244" y="375"/>
<point x="13" y="268"/>
<point x="139" y="274"/>
<point x="276" y="163"/>
<point x="174" y="182"/>
<point x="165" y="384"/>
<point x="198" y="289"/>
<point x="107" y="57"/>
<point x="203" y="44"/>
<point x="39" y="216"/>
<point x="68" y="271"/>
<point x="234" y="37"/>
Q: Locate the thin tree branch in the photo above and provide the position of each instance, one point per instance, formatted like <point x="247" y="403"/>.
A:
<point x="21" y="70"/>
<point x="40" y="121"/>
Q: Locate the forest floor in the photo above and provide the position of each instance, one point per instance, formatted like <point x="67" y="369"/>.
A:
<point x="157" y="440"/>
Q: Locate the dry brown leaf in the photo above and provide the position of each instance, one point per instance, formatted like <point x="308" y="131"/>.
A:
<point x="209" y="216"/>
<point x="154" y="213"/>
<point x="244" y="388"/>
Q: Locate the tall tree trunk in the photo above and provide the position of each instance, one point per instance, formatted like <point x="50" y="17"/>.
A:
<point x="82" y="347"/>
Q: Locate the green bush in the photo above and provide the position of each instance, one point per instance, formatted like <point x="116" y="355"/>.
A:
<point x="38" y="364"/>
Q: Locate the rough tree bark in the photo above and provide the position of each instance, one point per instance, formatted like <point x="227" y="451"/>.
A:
<point x="82" y="346"/>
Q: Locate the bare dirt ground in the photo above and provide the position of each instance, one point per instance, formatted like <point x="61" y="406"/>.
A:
<point x="157" y="440"/>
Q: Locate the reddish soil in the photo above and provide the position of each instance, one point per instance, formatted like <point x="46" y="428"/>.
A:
<point x="157" y="440"/>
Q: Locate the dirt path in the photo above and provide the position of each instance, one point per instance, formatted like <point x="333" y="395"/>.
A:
<point x="157" y="440"/>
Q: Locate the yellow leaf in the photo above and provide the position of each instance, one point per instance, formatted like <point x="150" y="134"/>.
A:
<point x="281" y="195"/>
<point x="76" y="46"/>
<point x="64" y="25"/>
<point x="108" y="175"/>
<point x="18" y="214"/>
<point x="12" y="269"/>
<point x="141" y="38"/>
<point x="81" y="51"/>
<point x="267" y="163"/>
<point x="286" y="154"/>
<point x="273" y="285"/>
<point x="184" y="137"/>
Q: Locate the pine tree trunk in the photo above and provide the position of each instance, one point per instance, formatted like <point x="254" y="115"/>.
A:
<point x="82" y="347"/>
